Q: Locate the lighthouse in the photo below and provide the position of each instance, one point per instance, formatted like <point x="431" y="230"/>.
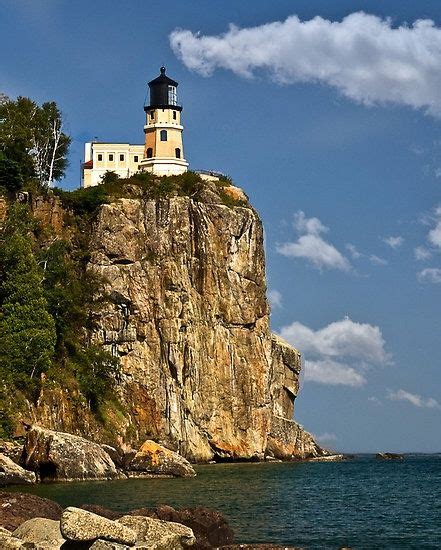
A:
<point x="164" y="151"/>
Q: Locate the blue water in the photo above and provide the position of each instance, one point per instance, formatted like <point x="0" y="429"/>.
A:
<point x="361" y="503"/>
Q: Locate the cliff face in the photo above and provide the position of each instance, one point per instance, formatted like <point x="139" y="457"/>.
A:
<point x="189" y="319"/>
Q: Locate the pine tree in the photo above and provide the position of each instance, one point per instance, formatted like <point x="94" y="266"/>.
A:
<point x="27" y="330"/>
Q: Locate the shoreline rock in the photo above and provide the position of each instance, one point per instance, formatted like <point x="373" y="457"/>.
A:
<point x="13" y="474"/>
<point x="156" y="459"/>
<point x="389" y="456"/>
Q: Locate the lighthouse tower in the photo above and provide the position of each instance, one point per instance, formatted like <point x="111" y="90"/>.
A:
<point x="164" y="152"/>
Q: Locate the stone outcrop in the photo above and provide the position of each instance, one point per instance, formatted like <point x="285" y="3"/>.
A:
<point x="64" y="457"/>
<point x="156" y="459"/>
<point x="13" y="474"/>
<point x="189" y="319"/>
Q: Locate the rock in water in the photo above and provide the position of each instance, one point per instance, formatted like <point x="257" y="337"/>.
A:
<point x="389" y="456"/>
<point x="80" y="525"/>
<point x="8" y="541"/>
<point x="60" y="456"/>
<point x="13" y="474"/>
<point x="16" y="508"/>
<point x="155" y="458"/>
<point x="40" y="530"/>
<point x="155" y="533"/>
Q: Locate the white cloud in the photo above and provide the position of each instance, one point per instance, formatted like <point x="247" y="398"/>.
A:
<point x="430" y="275"/>
<point x="275" y="298"/>
<point x="355" y="254"/>
<point x="333" y="373"/>
<point x="311" y="245"/>
<point x="338" y="352"/>
<point x="394" y="242"/>
<point x="326" y="437"/>
<point x="364" y="57"/>
<point x="374" y="400"/>
<point x="434" y="235"/>
<point x="414" y="399"/>
<point x="344" y="338"/>
<point x="422" y="253"/>
<point x="377" y="260"/>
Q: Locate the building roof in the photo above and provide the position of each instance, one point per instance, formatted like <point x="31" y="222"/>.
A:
<point x="88" y="164"/>
<point x="163" y="79"/>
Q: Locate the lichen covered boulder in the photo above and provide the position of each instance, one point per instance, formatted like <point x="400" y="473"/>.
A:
<point x="13" y="474"/>
<point x="40" y="530"/>
<point x="155" y="533"/>
<point x="63" y="457"/>
<point x="156" y="459"/>
<point x="16" y="508"/>
<point x="81" y="525"/>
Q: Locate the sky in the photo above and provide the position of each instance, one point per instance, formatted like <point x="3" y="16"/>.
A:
<point x="328" y="115"/>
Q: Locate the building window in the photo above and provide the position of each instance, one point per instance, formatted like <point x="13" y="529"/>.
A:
<point x="174" y="115"/>
<point x="121" y="157"/>
<point x="135" y="158"/>
<point x="163" y="135"/>
<point x="152" y="114"/>
<point x="172" y="95"/>
<point x="149" y="153"/>
<point x="178" y="153"/>
<point x="111" y="157"/>
<point x="100" y="158"/>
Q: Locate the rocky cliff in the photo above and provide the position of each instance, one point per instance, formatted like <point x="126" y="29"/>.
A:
<point x="189" y="319"/>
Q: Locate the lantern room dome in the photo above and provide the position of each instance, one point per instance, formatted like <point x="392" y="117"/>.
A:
<point x="163" y="93"/>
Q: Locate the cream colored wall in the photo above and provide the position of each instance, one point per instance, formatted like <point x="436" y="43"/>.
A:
<point x="124" y="168"/>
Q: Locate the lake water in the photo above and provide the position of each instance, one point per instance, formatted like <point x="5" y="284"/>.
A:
<point x="362" y="503"/>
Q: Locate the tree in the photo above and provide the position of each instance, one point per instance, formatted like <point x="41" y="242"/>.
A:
<point x="11" y="177"/>
<point x="33" y="137"/>
<point x="27" y="330"/>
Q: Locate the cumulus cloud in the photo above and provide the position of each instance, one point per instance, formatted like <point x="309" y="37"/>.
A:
<point x="275" y="298"/>
<point x="430" y="275"/>
<point x="339" y="353"/>
<point x="414" y="399"/>
<point x="312" y="246"/>
<point x="394" y="242"/>
<point x="366" y="58"/>
<point x="333" y="373"/>
<point x="422" y="253"/>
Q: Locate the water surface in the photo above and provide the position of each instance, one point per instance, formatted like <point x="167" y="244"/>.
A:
<point x="362" y="503"/>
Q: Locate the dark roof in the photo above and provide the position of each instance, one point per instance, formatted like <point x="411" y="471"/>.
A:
<point x="163" y="79"/>
<point x="88" y="164"/>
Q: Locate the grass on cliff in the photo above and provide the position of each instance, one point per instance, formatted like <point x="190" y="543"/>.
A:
<point x="86" y="201"/>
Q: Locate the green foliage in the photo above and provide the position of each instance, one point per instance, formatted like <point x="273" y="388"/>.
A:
<point x="84" y="202"/>
<point x="109" y="177"/>
<point x="97" y="372"/>
<point x="11" y="178"/>
<point x="32" y="136"/>
<point x="27" y="330"/>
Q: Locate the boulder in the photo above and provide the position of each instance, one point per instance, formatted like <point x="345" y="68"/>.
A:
<point x="156" y="459"/>
<point x="13" y="474"/>
<point x="101" y="511"/>
<point x="40" y="530"/>
<point x="64" y="457"/>
<point x="209" y="526"/>
<point x="8" y="541"/>
<point x="16" y="508"/>
<point x="81" y="525"/>
<point x="155" y="533"/>
<point x="115" y="454"/>
<point x="12" y="450"/>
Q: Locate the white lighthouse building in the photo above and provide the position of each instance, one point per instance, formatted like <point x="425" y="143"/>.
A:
<point x="162" y="152"/>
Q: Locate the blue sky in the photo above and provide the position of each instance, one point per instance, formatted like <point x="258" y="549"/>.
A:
<point x="334" y="133"/>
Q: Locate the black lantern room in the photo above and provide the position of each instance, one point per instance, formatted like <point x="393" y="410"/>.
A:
<point x="163" y="93"/>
